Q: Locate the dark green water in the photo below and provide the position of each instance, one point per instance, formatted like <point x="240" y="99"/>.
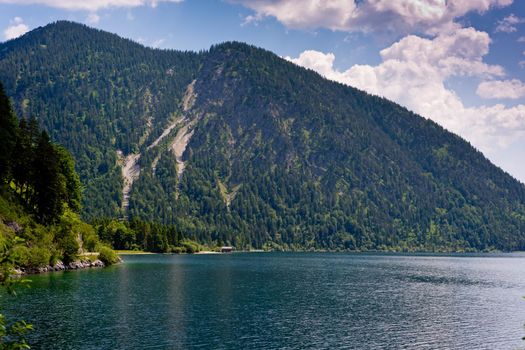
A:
<point x="269" y="301"/>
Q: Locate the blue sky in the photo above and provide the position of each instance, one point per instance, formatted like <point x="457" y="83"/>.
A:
<point x="458" y="62"/>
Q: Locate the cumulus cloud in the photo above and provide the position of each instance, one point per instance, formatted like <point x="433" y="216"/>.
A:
<point x="511" y="89"/>
<point x="89" y="5"/>
<point x="413" y="73"/>
<point x="157" y="43"/>
<point x="508" y="24"/>
<point x="15" y="29"/>
<point x="430" y="16"/>
<point x="333" y="14"/>
<point x="93" y="18"/>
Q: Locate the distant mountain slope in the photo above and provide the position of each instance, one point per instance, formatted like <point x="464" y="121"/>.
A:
<point x="239" y="146"/>
<point x="96" y="93"/>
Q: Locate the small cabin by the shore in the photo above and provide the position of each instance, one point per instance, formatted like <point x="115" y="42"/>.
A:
<point x="226" y="249"/>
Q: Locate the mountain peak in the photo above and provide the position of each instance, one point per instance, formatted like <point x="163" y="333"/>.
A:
<point x="63" y="33"/>
<point x="63" y="28"/>
<point x="237" y="145"/>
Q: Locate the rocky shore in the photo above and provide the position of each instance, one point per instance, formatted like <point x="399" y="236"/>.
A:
<point x="60" y="266"/>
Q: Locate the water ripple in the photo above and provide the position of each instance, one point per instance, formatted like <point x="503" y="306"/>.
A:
<point x="280" y="301"/>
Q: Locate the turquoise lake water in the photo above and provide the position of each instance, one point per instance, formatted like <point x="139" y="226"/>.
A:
<point x="280" y="301"/>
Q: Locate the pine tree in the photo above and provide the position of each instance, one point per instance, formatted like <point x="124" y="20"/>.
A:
<point x="21" y="162"/>
<point x="8" y="130"/>
<point x="66" y="166"/>
<point x="50" y="183"/>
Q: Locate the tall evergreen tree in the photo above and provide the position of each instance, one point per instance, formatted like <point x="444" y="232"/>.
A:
<point x="73" y="190"/>
<point x="22" y="162"/>
<point x="50" y="184"/>
<point x="8" y="127"/>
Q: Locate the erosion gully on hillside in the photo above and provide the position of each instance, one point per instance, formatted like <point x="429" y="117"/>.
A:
<point x="130" y="163"/>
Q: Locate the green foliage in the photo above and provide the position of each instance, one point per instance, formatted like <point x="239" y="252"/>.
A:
<point x="49" y="186"/>
<point x="21" y="255"/>
<point x="89" y="237"/>
<point x="44" y="245"/>
<point x="40" y="245"/>
<point x="41" y="180"/>
<point x="39" y="256"/>
<point x="43" y="173"/>
<point x="117" y="234"/>
<point x="142" y="235"/>
<point x="190" y="246"/>
<point x="12" y="336"/>
<point x="67" y="236"/>
<point x="8" y="124"/>
<point x="107" y="255"/>
<point x="71" y="194"/>
<point x="178" y="250"/>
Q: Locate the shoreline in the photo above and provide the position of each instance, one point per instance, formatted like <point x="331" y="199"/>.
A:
<point x="201" y="252"/>
<point x="134" y="252"/>
<point x="322" y="251"/>
<point x="60" y="266"/>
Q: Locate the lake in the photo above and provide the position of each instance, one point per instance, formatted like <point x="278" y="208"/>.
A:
<point x="280" y="300"/>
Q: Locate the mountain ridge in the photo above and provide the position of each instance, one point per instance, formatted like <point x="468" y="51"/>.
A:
<point x="266" y="152"/>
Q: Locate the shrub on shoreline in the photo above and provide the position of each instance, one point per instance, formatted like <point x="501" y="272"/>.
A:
<point x="107" y="255"/>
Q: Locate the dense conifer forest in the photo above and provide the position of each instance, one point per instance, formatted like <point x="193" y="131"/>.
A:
<point x="40" y="196"/>
<point x="235" y="145"/>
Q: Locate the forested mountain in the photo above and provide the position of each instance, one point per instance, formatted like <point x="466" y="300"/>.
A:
<point x="95" y="93"/>
<point x="39" y="202"/>
<point x="236" y="145"/>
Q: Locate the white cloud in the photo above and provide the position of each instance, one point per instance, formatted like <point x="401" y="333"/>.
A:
<point x="521" y="39"/>
<point x="93" y="18"/>
<point x="16" y="28"/>
<point x="413" y="73"/>
<point x="89" y="5"/>
<point x="508" y="24"/>
<point x="429" y="16"/>
<point x="511" y="89"/>
<point x="333" y="14"/>
<point x="251" y="20"/>
<point x="157" y="43"/>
